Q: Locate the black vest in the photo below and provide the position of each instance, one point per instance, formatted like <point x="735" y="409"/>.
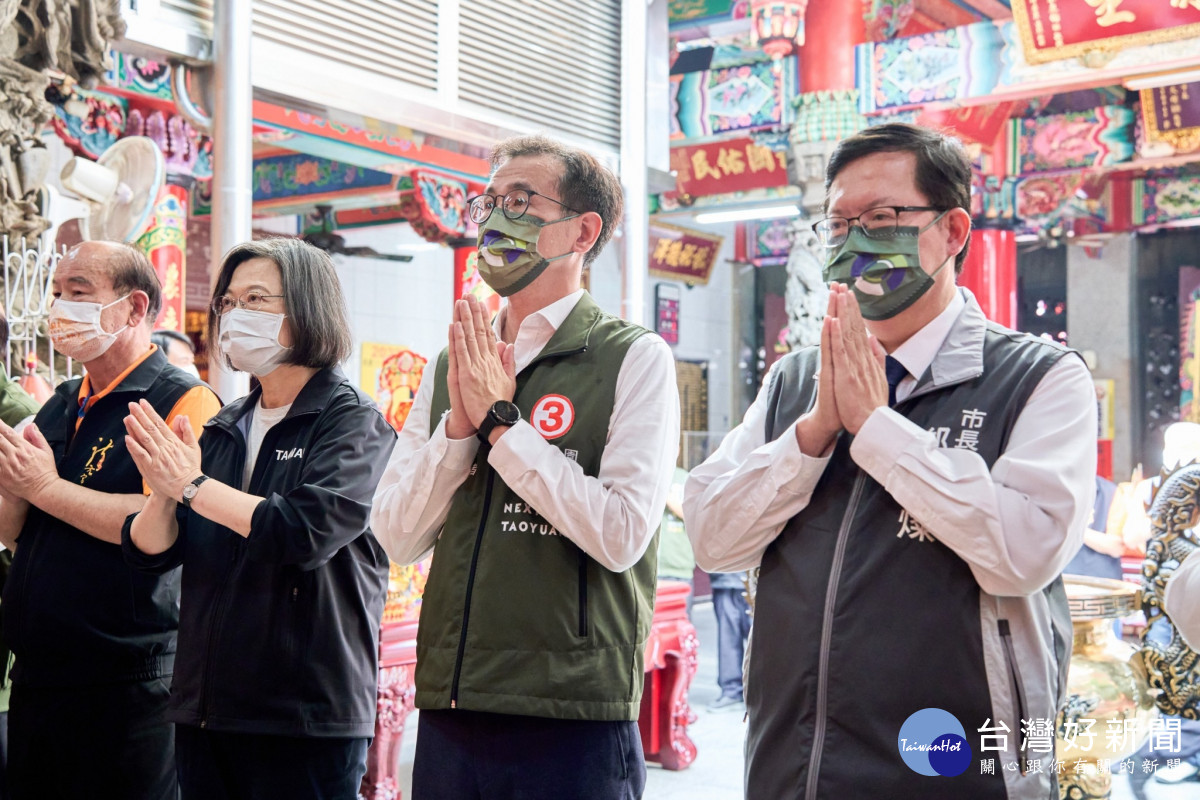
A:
<point x="74" y="613"/>
<point x="880" y="620"/>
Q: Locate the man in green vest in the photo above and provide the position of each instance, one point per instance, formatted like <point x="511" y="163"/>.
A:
<point x="537" y="457"/>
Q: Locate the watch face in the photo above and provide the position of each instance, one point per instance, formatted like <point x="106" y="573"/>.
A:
<point x="507" y="413"/>
<point x="190" y="490"/>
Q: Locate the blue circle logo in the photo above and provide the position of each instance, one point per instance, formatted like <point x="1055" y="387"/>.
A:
<point x="933" y="742"/>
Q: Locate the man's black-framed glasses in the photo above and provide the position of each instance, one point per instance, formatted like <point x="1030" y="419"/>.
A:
<point x="878" y="223"/>
<point x="513" y="204"/>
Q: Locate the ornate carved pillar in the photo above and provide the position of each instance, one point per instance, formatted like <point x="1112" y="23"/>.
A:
<point x="165" y="240"/>
<point x="822" y="119"/>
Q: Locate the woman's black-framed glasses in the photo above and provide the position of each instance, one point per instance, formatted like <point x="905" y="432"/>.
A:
<point x="877" y="223"/>
<point x="251" y="300"/>
<point x="513" y="204"/>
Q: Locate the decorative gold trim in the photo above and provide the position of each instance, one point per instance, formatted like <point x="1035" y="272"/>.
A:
<point x="711" y="237"/>
<point x="1183" y="140"/>
<point x="1033" y="55"/>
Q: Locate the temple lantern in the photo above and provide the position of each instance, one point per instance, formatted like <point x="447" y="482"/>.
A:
<point x="777" y="26"/>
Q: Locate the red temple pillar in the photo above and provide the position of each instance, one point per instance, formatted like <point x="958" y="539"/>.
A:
<point x="831" y="30"/>
<point x="165" y="244"/>
<point x="990" y="272"/>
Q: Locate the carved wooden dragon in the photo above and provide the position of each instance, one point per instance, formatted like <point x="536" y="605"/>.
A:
<point x="1170" y="664"/>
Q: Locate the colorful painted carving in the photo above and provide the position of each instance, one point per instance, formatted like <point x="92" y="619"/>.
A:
<point x="90" y="122"/>
<point x="436" y="205"/>
<point x="688" y="13"/>
<point x="738" y="98"/>
<point x="1167" y="198"/>
<point x="1073" y="140"/>
<point x="777" y="26"/>
<point x="284" y="178"/>
<point x="178" y="141"/>
<point x="886" y="18"/>
<point x="768" y="243"/>
<point x="931" y="67"/>
<point x="140" y="76"/>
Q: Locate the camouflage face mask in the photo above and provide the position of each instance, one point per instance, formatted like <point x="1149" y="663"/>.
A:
<point x="884" y="272"/>
<point x="508" y="256"/>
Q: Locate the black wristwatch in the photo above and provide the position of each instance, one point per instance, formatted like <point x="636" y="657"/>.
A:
<point x="502" y="412"/>
<point x="189" y="491"/>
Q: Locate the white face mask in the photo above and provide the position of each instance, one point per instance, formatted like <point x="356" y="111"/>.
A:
<point x="249" y="340"/>
<point x="190" y="369"/>
<point x="76" y="332"/>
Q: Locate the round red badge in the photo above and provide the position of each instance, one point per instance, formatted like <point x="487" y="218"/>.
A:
<point x="552" y="416"/>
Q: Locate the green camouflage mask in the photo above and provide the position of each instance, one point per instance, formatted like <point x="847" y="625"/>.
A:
<point x="508" y="256"/>
<point x="885" y="273"/>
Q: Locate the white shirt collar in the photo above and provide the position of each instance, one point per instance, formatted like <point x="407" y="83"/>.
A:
<point x="919" y="350"/>
<point x="537" y="329"/>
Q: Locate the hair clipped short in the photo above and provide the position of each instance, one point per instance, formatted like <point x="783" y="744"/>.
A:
<point x="585" y="185"/>
<point x="943" y="171"/>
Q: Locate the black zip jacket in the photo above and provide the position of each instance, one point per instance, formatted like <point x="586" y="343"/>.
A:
<point x="279" y="632"/>
<point x="74" y="611"/>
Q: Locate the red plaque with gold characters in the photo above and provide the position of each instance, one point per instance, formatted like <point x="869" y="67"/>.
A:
<point x="682" y="254"/>
<point x="1054" y="29"/>
<point x="734" y="165"/>
<point x="1171" y="114"/>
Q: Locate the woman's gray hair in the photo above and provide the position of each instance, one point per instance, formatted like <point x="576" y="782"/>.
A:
<point x="312" y="298"/>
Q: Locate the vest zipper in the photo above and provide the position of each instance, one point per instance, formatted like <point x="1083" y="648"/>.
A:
<point x="835" y="571"/>
<point x="583" y="594"/>
<point x="1014" y="677"/>
<point x="462" y="637"/>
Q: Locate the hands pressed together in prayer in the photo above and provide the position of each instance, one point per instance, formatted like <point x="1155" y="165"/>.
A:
<point x="851" y="383"/>
<point x="167" y="455"/>
<point x="482" y="369"/>
<point x="26" y="464"/>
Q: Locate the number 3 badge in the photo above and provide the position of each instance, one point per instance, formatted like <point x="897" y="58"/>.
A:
<point x="552" y="416"/>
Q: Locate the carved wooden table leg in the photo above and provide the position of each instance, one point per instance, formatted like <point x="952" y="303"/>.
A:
<point x="670" y="666"/>
<point x="397" y="692"/>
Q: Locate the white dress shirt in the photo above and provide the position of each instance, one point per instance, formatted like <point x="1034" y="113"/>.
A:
<point x="1016" y="525"/>
<point x="611" y="517"/>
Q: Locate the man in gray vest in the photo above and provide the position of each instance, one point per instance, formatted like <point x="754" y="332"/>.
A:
<point x="537" y="457"/>
<point x="911" y="489"/>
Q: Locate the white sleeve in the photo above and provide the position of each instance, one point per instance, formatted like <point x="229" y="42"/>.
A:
<point x="1182" y="600"/>
<point x="739" y="499"/>
<point x="1018" y="524"/>
<point x="613" y="516"/>
<point x="413" y="497"/>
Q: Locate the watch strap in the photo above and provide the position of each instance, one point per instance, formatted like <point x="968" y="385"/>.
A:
<point x="187" y="501"/>
<point x="491" y="419"/>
